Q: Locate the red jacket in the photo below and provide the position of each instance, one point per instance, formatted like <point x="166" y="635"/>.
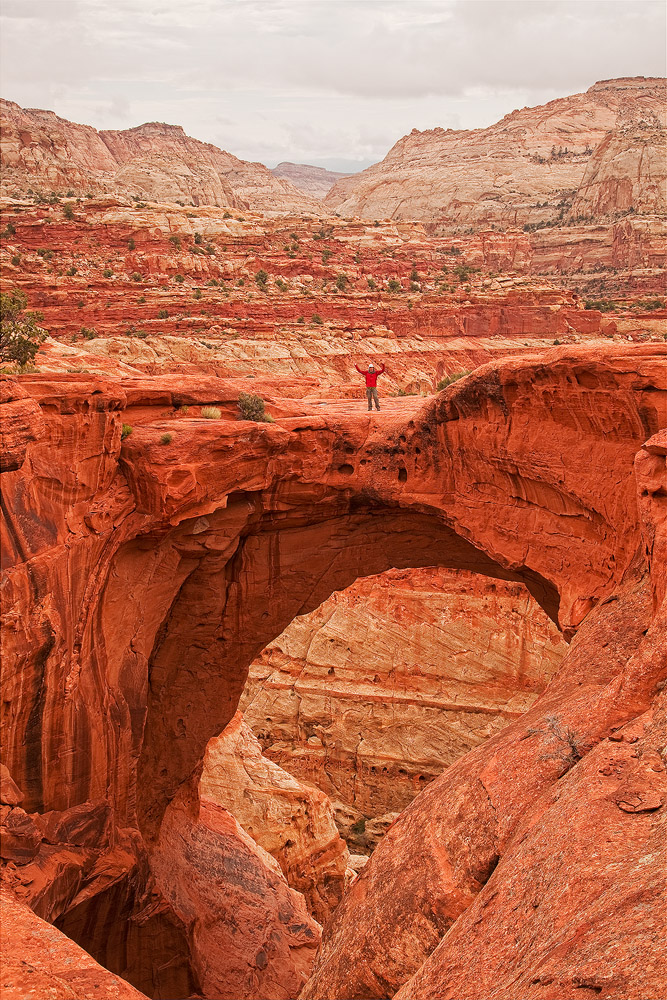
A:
<point x="371" y="377"/>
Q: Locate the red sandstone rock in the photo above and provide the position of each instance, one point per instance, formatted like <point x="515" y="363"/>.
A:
<point x="379" y="689"/>
<point x="19" y="836"/>
<point x="292" y="821"/>
<point x="10" y="793"/>
<point x="41" y="962"/>
<point x="119" y="555"/>
<point x="251" y="935"/>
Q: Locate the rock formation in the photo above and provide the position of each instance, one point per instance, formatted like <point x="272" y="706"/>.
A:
<point x="144" y="570"/>
<point x="153" y="162"/>
<point x="384" y="685"/>
<point x="597" y="154"/>
<point x="292" y="821"/>
<point x="316" y="182"/>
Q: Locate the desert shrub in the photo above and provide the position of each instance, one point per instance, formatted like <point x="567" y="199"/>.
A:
<point x="326" y="254"/>
<point x="20" y="336"/>
<point x="240" y="283"/>
<point x="556" y="342"/>
<point x="648" y="305"/>
<point x="141" y="300"/>
<point x="341" y="282"/>
<point x="251" y="407"/>
<point x="376" y="223"/>
<point x="176" y="241"/>
<point x="135" y="276"/>
<point x="162" y="314"/>
<point x="69" y="194"/>
<point x="68" y="211"/>
<point x="211" y="412"/>
<point x="448" y="379"/>
<point x="166" y="439"/>
<point x="261" y="279"/>
<point x="179" y="279"/>
<point x="462" y="272"/>
<point x="210" y="250"/>
<point x="227" y="215"/>
<point x="71" y="271"/>
<point x="198" y="293"/>
<point x="107" y="272"/>
<point x="360" y="826"/>
<point x="316" y="319"/>
<point x="45" y="254"/>
<point x="371" y="284"/>
<point x="9" y="229"/>
<point x="301" y="319"/>
<point x="414" y="276"/>
<point x="184" y="409"/>
<point x="16" y="260"/>
<point x="414" y="287"/>
<point x="282" y="285"/>
<point x="126" y="430"/>
<point x="131" y="245"/>
<point x="602" y="305"/>
<point x="88" y="332"/>
<point x="89" y="196"/>
<point x="198" y="238"/>
<point x="393" y="285"/>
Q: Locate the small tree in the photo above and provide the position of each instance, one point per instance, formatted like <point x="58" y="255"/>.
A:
<point x="341" y="282"/>
<point x="20" y="336"/>
<point x="261" y="278"/>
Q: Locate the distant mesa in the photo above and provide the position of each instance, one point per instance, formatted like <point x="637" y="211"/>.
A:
<point x="313" y="181"/>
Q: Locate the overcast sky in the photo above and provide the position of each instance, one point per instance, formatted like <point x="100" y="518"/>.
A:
<point x="329" y="82"/>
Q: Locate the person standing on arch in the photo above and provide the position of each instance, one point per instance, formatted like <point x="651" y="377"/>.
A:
<point x="371" y="376"/>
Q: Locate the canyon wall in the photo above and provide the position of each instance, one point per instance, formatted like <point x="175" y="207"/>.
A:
<point x="383" y="686"/>
<point x="153" y="162"/>
<point x="596" y="154"/>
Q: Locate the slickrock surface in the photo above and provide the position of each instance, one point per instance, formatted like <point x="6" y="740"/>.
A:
<point x="41" y="963"/>
<point x="155" y="162"/>
<point x="384" y="685"/>
<point x="293" y="821"/>
<point x="596" y="154"/>
<point x="141" y="578"/>
<point x="313" y="181"/>
<point x="250" y="935"/>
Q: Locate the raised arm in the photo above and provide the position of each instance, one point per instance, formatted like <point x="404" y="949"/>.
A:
<point x="361" y="371"/>
<point x="381" y="370"/>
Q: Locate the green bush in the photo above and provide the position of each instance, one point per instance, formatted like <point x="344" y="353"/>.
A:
<point x="393" y="285"/>
<point x="107" y="272"/>
<point x="16" y="260"/>
<point x="176" y="241"/>
<point x="179" y="279"/>
<point x="326" y="254"/>
<point x="211" y="412"/>
<point x="136" y="276"/>
<point x="131" y="245"/>
<point x="301" y="319"/>
<point x="71" y="271"/>
<point x="44" y="254"/>
<point x="448" y="379"/>
<point x="341" y="282"/>
<point x="227" y="215"/>
<point x="371" y="284"/>
<point x="316" y="319"/>
<point x="198" y="293"/>
<point x="126" y="430"/>
<point x="9" y="229"/>
<point x="166" y="439"/>
<point x="20" y="336"/>
<point x="602" y="305"/>
<point x="68" y="211"/>
<point x="414" y="287"/>
<point x="162" y="314"/>
<point x="88" y="333"/>
<point x="261" y="279"/>
<point x="198" y="238"/>
<point x="251" y="407"/>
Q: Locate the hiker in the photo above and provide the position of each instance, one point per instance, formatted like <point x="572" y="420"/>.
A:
<point x="371" y="384"/>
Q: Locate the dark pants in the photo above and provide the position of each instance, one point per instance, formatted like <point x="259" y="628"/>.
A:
<point x="372" y="394"/>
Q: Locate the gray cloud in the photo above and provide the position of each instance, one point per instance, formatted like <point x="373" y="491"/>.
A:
<point x="318" y="81"/>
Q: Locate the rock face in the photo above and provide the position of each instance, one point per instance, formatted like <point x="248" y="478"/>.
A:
<point x="293" y="822"/>
<point x="596" y="154"/>
<point x="378" y="690"/>
<point x="156" y="162"/>
<point x="316" y="182"/>
<point x="143" y="576"/>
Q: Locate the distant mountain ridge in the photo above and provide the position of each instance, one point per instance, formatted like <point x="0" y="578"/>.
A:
<point x="590" y="155"/>
<point x="313" y="181"/>
<point x="155" y="161"/>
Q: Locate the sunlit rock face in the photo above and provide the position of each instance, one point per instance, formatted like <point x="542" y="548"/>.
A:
<point x="374" y="693"/>
<point x="594" y="154"/>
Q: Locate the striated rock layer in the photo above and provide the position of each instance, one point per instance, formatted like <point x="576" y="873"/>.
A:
<point x="384" y="685"/>
<point x="594" y="154"/>
<point x="157" y="162"/>
<point x="313" y="181"/>
<point x="141" y="577"/>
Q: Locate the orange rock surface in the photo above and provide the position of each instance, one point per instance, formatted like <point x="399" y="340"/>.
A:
<point x="141" y="578"/>
<point x="596" y="154"/>
<point x="384" y="685"/>
<point x="292" y="821"/>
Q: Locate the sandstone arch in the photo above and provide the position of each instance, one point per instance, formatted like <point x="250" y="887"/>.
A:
<point x="138" y="581"/>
